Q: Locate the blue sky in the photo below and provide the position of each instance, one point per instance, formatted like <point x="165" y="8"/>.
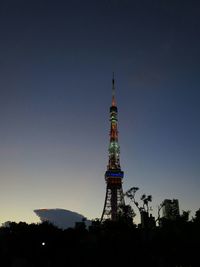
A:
<point x="56" y="64"/>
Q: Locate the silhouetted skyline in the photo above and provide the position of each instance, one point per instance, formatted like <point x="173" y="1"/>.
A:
<point x="56" y="60"/>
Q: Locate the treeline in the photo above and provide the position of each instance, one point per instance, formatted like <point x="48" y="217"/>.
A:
<point x="173" y="244"/>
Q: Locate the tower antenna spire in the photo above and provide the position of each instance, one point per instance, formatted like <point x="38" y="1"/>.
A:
<point x="113" y="91"/>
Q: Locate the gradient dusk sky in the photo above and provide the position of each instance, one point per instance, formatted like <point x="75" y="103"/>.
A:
<point x="56" y="64"/>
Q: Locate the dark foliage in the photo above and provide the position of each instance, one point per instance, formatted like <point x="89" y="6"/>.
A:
<point x="173" y="244"/>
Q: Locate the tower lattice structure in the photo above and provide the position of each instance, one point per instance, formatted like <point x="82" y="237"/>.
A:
<point x="114" y="175"/>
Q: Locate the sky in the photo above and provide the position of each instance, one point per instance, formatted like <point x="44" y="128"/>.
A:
<point x="56" y="64"/>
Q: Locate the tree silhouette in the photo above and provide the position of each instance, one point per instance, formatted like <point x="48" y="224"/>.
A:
<point x="196" y="219"/>
<point x="143" y="208"/>
<point x="174" y="244"/>
<point x="145" y="199"/>
<point x="126" y="214"/>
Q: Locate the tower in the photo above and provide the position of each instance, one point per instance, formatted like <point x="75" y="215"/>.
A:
<point x="114" y="175"/>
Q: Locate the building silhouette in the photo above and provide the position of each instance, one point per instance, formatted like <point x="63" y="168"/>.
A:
<point x="113" y="176"/>
<point x="60" y="217"/>
<point x="170" y="209"/>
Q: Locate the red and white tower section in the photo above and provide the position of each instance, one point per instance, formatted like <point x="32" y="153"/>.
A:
<point x="114" y="175"/>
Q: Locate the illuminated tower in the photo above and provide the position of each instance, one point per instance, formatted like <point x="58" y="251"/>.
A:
<point x="113" y="176"/>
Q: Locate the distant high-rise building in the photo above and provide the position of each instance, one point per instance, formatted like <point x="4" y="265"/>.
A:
<point x="114" y="175"/>
<point x="170" y="209"/>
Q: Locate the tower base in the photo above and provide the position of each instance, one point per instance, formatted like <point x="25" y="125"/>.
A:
<point x="113" y="201"/>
